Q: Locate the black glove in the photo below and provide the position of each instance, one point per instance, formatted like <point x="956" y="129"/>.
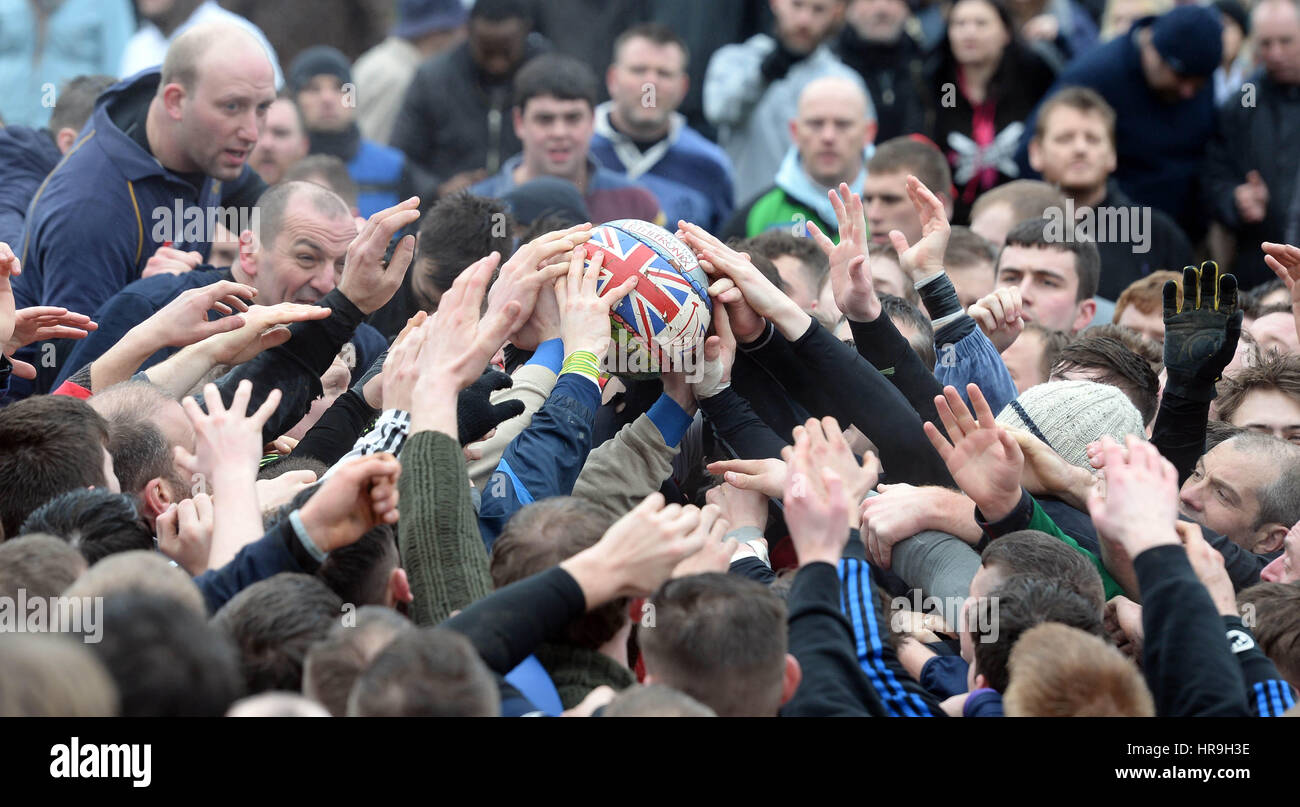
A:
<point x="1201" y="339"/>
<point x="476" y="415"/>
<point x="777" y="63"/>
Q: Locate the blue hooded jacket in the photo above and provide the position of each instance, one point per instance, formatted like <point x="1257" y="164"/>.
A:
<point x="93" y="223"/>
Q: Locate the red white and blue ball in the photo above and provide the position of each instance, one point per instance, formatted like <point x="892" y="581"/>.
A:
<point x="663" y="321"/>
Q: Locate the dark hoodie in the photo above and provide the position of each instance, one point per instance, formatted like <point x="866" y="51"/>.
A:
<point x="26" y="157"/>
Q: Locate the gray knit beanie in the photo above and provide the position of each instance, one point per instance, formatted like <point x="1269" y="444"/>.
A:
<point x="1068" y="415"/>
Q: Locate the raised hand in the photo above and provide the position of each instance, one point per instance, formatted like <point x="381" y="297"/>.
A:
<point x="171" y="261"/>
<point x="227" y="449"/>
<point x="1251" y="198"/>
<point x="458" y="344"/>
<point x="1139" y="507"/>
<point x="984" y="460"/>
<point x="184" y="320"/>
<point x="41" y="322"/>
<point x="743" y="508"/>
<point x="225" y="439"/>
<point x="816" y="507"/>
<point x="38" y="323"/>
<point x="185" y="533"/>
<point x="925" y="257"/>
<point x="830" y="450"/>
<point x="898" y="513"/>
<point x="850" y="267"/>
<point x="1122" y="621"/>
<point x="713" y="374"/>
<point x="715" y="552"/>
<point x="1201" y="337"/>
<point x="1000" y="315"/>
<point x="367" y="282"/>
<point x="401" y="367"/>
<point x="9" y="267"/>
<point x="1207" y="562"/>
<point x="1046" y="473"/>
<point x="264" y="327"/>
<point x="455" y="346"/>
<point x="638" y="552"/>
<point x="765" y="476"/>
<point x="584" y="312"/>
<point x="359" y="496"/>
<point x="1284" y="260"/>
<point x="534" y="267"/>
<point x="272" y="494"/>
<point x="718" y="259"/>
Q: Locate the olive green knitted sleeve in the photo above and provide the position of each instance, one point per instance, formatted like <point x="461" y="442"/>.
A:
<point x="438" y="534"/>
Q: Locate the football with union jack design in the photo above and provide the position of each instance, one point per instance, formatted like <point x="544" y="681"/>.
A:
<point x="664" y="320"/>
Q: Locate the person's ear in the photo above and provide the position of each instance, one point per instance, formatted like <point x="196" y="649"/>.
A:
<point x="790" y="680"/>
<point x="66" y="137"/>
<point x="1269" y="538"/>
<point x="1035" y="155"/>
<point x="399" y="588"/>
<point x="1087" y="310"/>
<point x="609" y="79"/>
<point x="794" y="130"/>
<point x="173" y="96"/>
<point x="156" y="497"/>
<point x="980" y="682"/>
<point x="516" y="115"/>
<point x="248" y="253"/>
<point x="869" y="134"/>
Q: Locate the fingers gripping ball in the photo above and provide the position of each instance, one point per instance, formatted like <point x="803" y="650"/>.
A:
<point x="662" y="323"/>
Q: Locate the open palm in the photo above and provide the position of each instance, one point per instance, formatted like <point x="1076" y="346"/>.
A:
<point x="850" y="269"/>
<point x="925" y="257"/>
<point x="983" y="458"/>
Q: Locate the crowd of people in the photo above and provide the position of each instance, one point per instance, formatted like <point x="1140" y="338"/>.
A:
<point x="310" y="403"/>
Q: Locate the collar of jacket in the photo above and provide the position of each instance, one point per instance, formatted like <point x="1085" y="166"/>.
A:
<point x="635" y="163"/>
<point x="343" y="145"/>
<point x="576" y="671"/>
<point x="796" y="183"/>
<point x="134" y="162"/>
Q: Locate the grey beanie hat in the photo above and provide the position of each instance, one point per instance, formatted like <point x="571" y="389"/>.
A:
<point x="1068" y="415"/>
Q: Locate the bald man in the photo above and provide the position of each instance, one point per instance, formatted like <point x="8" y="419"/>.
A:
<point x="832" y="132"/>
<point x="163" y="153"/>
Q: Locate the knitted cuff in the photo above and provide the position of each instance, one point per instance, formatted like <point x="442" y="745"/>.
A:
<point x="307" y="543"/>
<point x="584" y="363"/>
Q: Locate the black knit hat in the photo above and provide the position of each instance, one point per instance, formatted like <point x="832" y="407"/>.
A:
<point x="317" y="61"/>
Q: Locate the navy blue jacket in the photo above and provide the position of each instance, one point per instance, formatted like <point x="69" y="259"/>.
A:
<point x="94" y="222"/>
<point x="279" y="550"/>
<point x="144" y="298"/>
<point x="546" y="458"/>
<point x="1161" y="146"/>
<point x="26" y="157"/>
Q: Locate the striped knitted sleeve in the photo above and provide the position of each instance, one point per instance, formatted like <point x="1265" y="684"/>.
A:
<point x="1267" y="692"/>
<point x="438" y="534"/>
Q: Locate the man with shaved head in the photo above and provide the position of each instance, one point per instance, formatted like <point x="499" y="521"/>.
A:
<point x="752" y="88"/>
<point x="832" y="133"/>
<point x="295" y="255"/>
<point x="163" y="152"/>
